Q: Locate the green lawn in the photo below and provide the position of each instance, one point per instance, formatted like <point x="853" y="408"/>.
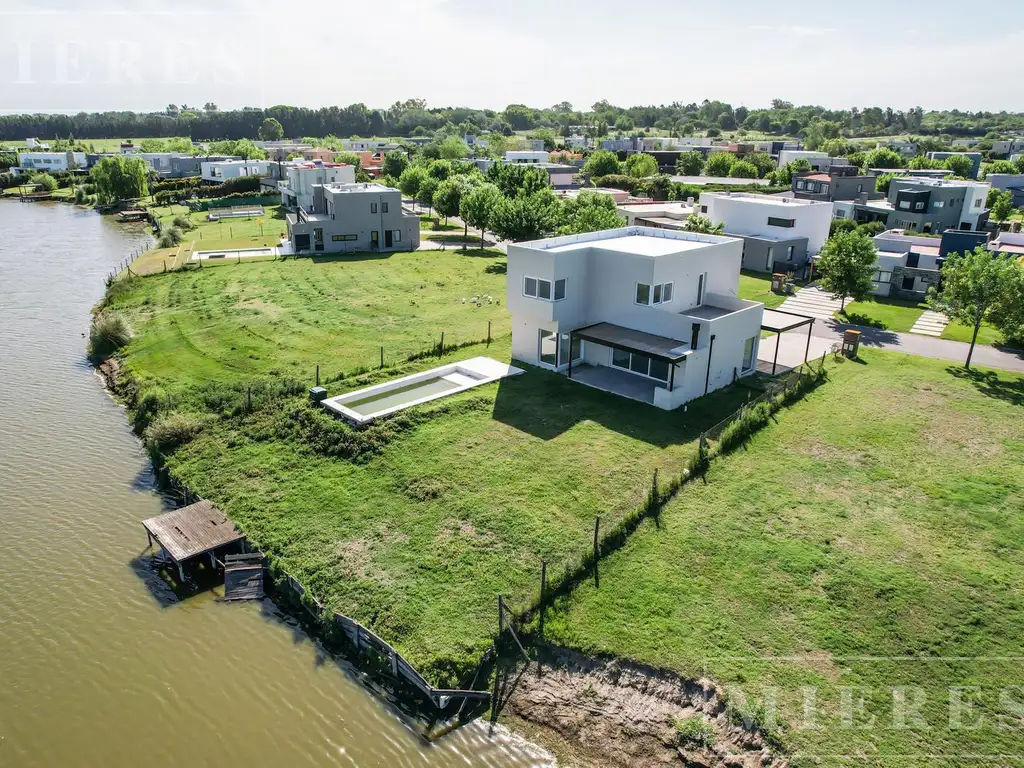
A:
<point x="755" y="286"/>
<point x="414" y="525"/>
<point x="252" y="318"/>
<point x="987" y="334"/>
<point x="250" y="232"/>
<point x="876" y="520"/>
<point x="882" y="312"/>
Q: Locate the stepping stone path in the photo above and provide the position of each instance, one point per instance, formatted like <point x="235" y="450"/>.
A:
<point x="930" y="323"/>
<point x="813" y="302"/>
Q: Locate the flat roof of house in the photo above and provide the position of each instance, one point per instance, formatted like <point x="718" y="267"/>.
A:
<point x="817" y="177"/>
<point x="644" y="241"/>
<point x="662" y="221"/>
<point x="637" y="245"/>
<point x="354" y="188"/>
<point x="750" y="197"/>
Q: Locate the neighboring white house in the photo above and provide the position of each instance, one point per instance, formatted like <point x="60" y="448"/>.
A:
<point x="779" y="233"/>
<point x="526" y="156"/>
<point x="298" y="178"/>
<point x="820" y="161"/>
<point x="222" y="170"/>
<point x="1007" y="146"/>
<point x="353" y="217"/>
<point x="364" y="145"/>
<point x="668" y="214"/>
<point x="50" y="161"/>
<point x="577" y="142"/>
<point x="651" y="314"/>
<point x="36" y="144"/>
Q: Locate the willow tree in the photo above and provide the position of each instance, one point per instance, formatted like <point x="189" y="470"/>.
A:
<point x="119" y="178"/>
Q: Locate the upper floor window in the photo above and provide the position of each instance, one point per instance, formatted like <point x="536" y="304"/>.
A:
<point x="538" y="288"/>
<point x="774" y="221"/>
<point x="977" y="203"/>
<point x="905" y="205"/>
<point x="383" y="207"/>
<point x="652" y="295"/>
<point x="373" y="207"/>
<point x="801" y="185"/>
<point x="918" y="206"/>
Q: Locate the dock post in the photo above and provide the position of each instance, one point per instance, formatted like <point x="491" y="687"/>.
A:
<point x="181" y="575"/>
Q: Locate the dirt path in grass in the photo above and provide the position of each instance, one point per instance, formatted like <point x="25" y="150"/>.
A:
<point x="620" y="713"/>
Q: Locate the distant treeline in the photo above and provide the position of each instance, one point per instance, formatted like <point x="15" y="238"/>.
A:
<point x="414" y="118"/>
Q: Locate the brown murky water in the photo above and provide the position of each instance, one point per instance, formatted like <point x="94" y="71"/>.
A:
<point x="99" y="664"/>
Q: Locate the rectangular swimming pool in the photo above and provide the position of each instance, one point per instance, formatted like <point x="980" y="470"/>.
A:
<point x="365" y="405"/>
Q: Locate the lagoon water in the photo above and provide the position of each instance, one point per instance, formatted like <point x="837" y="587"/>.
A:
<point x="99" y="664"/>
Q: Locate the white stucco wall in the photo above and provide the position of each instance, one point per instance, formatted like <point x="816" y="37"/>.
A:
<point x="747" y="214"/>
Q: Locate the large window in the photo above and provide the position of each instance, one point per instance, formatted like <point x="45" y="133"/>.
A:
<point x="774" y="221"/>
<point x="344" y="238"/>
<point x="881" y="276"/>
<point x="548" y="342"/>
<point x="748" y="353"/>
<point x="640" y="364"/>
<point x="538" y="288"/>
<point x="652" y="295"/>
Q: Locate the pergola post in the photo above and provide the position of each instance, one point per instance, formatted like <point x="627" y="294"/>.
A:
<point x="570" y="354"/>
<point x="807" y="349"/>
<point x="671" y="376"/>
<point x="775" y="359"/>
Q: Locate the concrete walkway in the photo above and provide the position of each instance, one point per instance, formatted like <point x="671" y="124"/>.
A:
<point x="930" y="324"/>
<point x="812" y="302"/>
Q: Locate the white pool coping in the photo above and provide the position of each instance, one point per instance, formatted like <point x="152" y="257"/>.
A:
<point x="466" y="374"/>
<point x="237" y="253"/>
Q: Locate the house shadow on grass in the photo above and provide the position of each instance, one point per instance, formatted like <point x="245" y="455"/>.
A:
<point x="333" y="258"/>
<point x="547" y="404"/>
<point x="991" y="384"/>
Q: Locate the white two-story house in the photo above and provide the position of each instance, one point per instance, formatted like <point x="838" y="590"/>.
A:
<point x="779" y="234"/>
<point x="220" y="171"/>
<point x="298" y="178"/>
<point x="651" y="314"/>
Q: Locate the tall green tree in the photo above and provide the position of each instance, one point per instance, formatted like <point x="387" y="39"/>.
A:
<point x="976" y="286"/>
<point x="411" y="179"/>
<point x="246" y="150"/>
<point x="762" y="161"/>
<point x="588" y="212"/>
<point x="690" y="163"/>
<point x="960" y="165"/>
<point x="425" y="195"/>
<point x="448" y="195"/>
<point x="395" y="162"/>
<point x="742" y="169"/>
<point x="271" y="130"/>
<point x="719" y="164"/>
<point x="640" y="165"/>
<point x="44" y="181"/>
<point x="120" y="177"/>
<point x="525" y="217"/>
<point x="475" y="208"/>
<point x="601" y="163"/>
<point x="1000" y="205"/>
<point x="883" y="157"/>
<point x="453" y="148"/>
<point x="846" y="266"/>
<point x="517" y="179"/>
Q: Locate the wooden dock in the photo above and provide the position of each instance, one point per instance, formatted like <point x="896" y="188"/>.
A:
<point x="243" y="576"/>
<point x="191" y="531"/>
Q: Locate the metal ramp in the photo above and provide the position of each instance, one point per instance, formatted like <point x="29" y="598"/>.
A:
<point x="243" y="576"/>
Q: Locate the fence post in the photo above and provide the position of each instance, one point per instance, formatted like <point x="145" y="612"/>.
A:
<point x="488" y="333"/>
<point x="440" y="350"/>
<point x="318" y="374"/>
<point x="543" y="589"/>
<point x="381" y="355"/>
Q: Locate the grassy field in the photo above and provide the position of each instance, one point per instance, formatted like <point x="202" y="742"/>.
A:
<point x="987" y="334"/>
<point x="414" y="525"/>
<point x="755" y="286"/>
<point x="249" y="319"/>
<point x="248" y="233"/>
<point x="877" y="521"/>
<point x="882" y="312"/>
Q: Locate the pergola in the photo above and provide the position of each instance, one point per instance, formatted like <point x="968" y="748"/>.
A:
<point x="778" y="321"/>
<point x="629" y="340"/>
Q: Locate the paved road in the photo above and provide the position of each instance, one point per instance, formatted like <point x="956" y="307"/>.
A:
<point x="925" y="346"/>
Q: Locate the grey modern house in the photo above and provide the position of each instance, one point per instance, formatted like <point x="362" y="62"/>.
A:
<point x="842" y="182"/>
<point x="927" y="206"/>
<point x="353" y="217"/>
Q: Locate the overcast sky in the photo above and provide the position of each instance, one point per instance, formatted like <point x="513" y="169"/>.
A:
<point x="143" y="54"/>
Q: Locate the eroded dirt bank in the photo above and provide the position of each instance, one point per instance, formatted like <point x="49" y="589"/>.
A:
<point x="613" y="712"/>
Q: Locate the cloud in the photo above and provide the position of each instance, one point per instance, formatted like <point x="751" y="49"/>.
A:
<point x="796" y="31"/>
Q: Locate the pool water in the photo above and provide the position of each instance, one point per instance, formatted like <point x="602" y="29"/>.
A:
<point x="407" y="394"/>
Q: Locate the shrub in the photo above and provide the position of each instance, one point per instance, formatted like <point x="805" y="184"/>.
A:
<point x="170" y="432"/>
<point x="618" y="181"/>
<point x="693" y="731"/>
<point x="170" y="238"/>
<point x="108" y="333"/>
<point x="44" y="181"/>
<point x="183" y="223"/>
<point x="147" y="409"/>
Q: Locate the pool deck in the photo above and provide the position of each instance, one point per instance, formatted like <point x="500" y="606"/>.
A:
<point x="465" y="375"/>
